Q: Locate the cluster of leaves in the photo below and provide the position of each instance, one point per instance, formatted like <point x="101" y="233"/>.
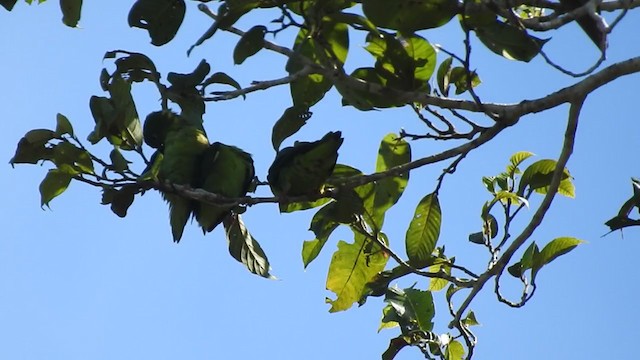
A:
<point x="403" y="62"/>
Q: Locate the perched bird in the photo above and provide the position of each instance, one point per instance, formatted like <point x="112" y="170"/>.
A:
<point x="181" y="144"/>
<point x="303" y="168"/>
<point x="224" y="170"/>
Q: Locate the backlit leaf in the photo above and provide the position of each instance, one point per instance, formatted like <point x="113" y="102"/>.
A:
<point x="55" y="183"/>
<point x="352" y="267"/>
<point x="424" y="230"/>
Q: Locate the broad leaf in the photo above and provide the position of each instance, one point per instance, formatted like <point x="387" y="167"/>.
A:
<point x="509" y="41"/>
<point x="161" y="18"/>
<point x="322" y="226"/>
<point x="538" y="177"/>
<point x="515" y="161"/>
<point x="408" y="16"/>
<point x="32" y="147"/>
<point x="334" y="44"/>
<point x="454" y="351"/>
<point x="63" y="125"/>
<point x="8" y="4"/>
<point x="293" y="119"/>
<point x="413" y="307"/>
<point x="55" y="183"/>
<point x="557" y="247"/>
<point x="393" y="152"/>
<point x="118" y="162"/>
<point x="71" y="12"/>
<point x="250" y="43"/>
<point x="352" y="267"/>
<point x="245" y="248"/>
<point x="423" y="231"/>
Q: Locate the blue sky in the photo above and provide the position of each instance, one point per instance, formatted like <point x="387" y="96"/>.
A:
<point x="77" y="282"/>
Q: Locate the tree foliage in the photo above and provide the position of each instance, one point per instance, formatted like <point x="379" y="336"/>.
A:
<point x="405" y="70"/>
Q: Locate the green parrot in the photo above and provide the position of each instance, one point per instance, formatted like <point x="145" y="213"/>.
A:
<point x="303" y="168"/>
<point x="182" y="145"/>
<point x="224" y="170"/>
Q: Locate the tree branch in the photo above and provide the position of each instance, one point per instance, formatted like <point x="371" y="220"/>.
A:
<point x="567" y="149"/>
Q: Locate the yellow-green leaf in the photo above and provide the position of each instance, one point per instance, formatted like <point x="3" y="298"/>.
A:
<point x="352" y="267"/>
<point x="55" y="183"/>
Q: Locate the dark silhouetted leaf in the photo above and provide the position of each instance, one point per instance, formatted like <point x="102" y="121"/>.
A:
<point x="63" y="125"/>
<point x="509" y="41"/>
<point x="250" y="43"/>
<point x="71" y="12"/>
<point x="32" y="147"/>
<point x="8" y="4"/>
<point x="408" y="16"/>
<point x="289" y="123"/>
<point x="161" y="18"/>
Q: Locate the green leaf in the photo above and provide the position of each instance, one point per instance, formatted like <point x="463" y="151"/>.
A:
<point x="118" y="162"/>
<point x="120" y="200"/>
<point x="322" y="226"/>
<point x="293" y="119"/>
<point x="161" y="18"/>
<point x="477" y="238"/>
<point x="191" y="80"/>
<point x="303" y="205"/>
<point x="470" y="319"/>
<point x="308" y="90"/>
<point x="408" y="16"/>
<point x="78" y="160"/>
<point x="32" y="147"/>
<point x="251" y="42"/>
<point x="63" y="125"/>
<point x="116" y="118"/>
<point x="538" y="177"/>
<point x="460" y="78"/>
<point x="413" y="307"/>
<point x="395" y="345"/>
<point x="454" y="351"/>
<point x="515" y="161"/>
<point x="352" y="267"/>
<point x="490" y="227"/>
<point x="405" y="63"/>
<point x="389" y="318"/>
<point x="424" y="230"/>
<point x="355" y="20"/>
<point x="55" y="183"/>
<point x="393" y="152"/>
<point x="366" y="100"/>
<point x="136" y="66"/>
<point x="437" y="284"/>
<point x="526" y="262"/>
<point x="557" y="247"/>
<point x="245" y="248"/>
<point x="222" y="78"/>
<point x="509" y="41"/>
<point x="423" y="57"/>
<point x="71" y="12"/>
<point x="443" y="76"/>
